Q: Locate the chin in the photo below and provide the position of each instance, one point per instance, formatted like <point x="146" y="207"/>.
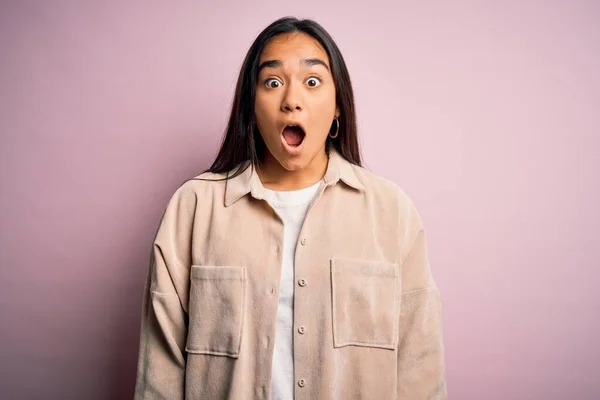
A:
<point x="294" y="161"/>
<point x="293" y="164"/>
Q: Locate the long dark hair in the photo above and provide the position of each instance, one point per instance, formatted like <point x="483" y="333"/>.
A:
<point x="242" y="140"/>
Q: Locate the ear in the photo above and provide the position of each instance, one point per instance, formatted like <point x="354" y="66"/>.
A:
<point x="337" y="112"/>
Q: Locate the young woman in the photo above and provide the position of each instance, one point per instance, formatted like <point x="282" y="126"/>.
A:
<point x="287" y="270"/>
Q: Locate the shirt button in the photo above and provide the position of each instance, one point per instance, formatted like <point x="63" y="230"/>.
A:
<point x="303" y="241"/>
<point x="272" y="289"/>
<point x="302" y="282"/>
<point x="301" y="382"/>
<point x="301" y="330"/>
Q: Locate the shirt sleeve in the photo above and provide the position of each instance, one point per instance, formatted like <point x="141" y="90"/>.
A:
<point x="162" y="358"/>
<point x="421" y="370"/>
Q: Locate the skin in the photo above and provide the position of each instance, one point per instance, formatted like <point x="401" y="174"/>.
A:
<point x="293" y="90"/>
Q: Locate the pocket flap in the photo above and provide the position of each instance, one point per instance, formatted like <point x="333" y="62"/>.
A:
<point x="218" y="273"/>
<point x="364" y="267"/>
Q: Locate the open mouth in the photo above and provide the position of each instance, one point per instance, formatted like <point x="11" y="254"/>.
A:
<point x="293" y="135"/>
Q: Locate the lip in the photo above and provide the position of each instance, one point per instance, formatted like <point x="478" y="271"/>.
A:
<point x="295" y="150"/>
<point x="288" y="123"/>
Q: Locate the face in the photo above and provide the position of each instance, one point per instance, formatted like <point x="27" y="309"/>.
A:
<point x="295" y="87"/>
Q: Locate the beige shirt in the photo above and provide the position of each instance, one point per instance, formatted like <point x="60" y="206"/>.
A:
<point x="367" y="313"/>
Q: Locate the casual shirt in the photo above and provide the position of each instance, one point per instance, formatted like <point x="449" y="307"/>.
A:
<point x="367" y="311"/>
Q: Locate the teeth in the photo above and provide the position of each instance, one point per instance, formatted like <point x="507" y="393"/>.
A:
<point x="294" y="126"/>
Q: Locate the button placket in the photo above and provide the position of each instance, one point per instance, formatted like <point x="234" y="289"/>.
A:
<point x="300" y="347"/>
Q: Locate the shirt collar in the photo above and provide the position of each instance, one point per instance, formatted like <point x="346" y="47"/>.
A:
<point x="338" y="168"/>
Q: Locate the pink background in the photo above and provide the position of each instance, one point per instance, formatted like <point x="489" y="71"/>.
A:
<point x="486" y="113"/>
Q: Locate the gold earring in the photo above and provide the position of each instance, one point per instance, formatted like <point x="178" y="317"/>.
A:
<point x="337" y="131"/>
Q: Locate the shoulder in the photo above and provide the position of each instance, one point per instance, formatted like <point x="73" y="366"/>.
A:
<point x="384" y="188"/>
<point x="199" y="188"/>
<point x="391" y="200"/>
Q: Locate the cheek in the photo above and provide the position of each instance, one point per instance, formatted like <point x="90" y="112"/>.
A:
<point x="265" y="120"/>
<point x="259" y="107"/>
<point x="324" y="110"/>
<point x="260" y="112"/>
<point x="263" y="109"/>
<point x="325" y="100"/>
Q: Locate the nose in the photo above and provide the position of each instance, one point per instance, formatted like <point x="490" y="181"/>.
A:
<point x="291" y="99"/>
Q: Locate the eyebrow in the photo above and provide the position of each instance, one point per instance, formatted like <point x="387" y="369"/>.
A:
<point x="306" y="62"/>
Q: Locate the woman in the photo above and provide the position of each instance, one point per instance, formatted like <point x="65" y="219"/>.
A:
<point x="287" y="270"/>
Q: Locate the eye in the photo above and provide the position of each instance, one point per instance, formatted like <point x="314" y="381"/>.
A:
<point x="313" y="81"/>
<point x="272" y="83"/>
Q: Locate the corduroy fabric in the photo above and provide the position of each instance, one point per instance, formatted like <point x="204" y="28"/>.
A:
<point x="367" y="311"/>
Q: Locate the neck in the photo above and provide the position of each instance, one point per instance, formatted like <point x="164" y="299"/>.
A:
<point x="275" y="177"/>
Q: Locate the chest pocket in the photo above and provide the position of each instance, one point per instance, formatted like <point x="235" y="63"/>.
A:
<point x="365" y="303"/>
<point x="217" y="307"/>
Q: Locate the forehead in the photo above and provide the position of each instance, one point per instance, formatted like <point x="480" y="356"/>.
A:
<point x="293" y="46"/>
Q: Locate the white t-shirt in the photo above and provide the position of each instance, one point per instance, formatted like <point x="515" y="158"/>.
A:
<point x="291" y="207"/>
